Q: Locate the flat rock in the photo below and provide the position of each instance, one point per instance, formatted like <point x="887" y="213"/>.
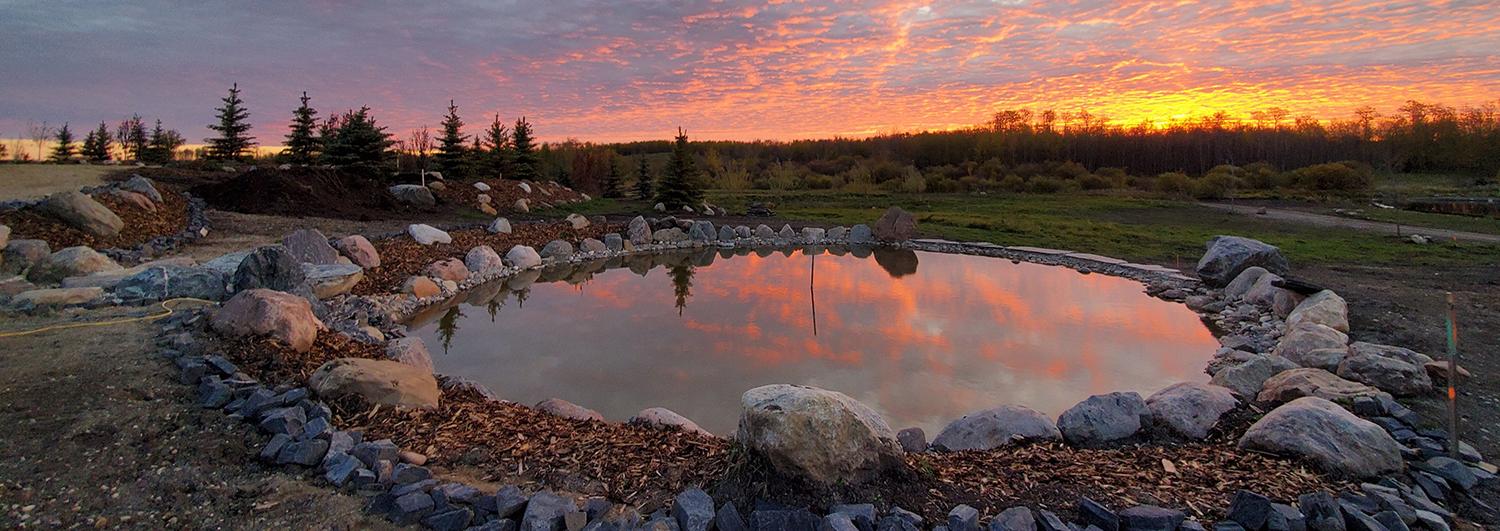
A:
<point x="1227" y="256"/>
<point x="1247" y="378"/>
<point x="820" y="435"/>
<point x="427" y="234"/>
<point x="170" y="282"/>
<point x="1237" y="288"/>
<point x="1305" y="382"/>
<point x="310" y="246"/>
<point x="1039" y="250"/>
<point x="331" y="280"/>
<point x="1327" y="435"/>
<point x="83" y="213"/>
<point x="1102" y="419"/>
<point x="56" y="297"/>
<point x="71" y="262"/>
<point x="660" y="416"/>
<point x="384" y="382"/>
<point x="568" y="410"/>
<point x="1305" y="338"/>
<point x="263" y="312"/>
<point x="993" y="428"/>
<point x="1359" y="348"/>
<point x="1190" y="409"/>
<point x="1391" y="375"/>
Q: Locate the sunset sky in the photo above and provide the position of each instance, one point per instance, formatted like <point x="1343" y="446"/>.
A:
<point x="608" y="71"/>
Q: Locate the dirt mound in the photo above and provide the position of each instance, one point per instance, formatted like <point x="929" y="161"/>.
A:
<point x="303" y="192"/>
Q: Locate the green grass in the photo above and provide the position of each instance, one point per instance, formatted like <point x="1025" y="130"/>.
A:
<point x="1144" y="230"/>
<point x="1425" y="184"/>
<point x="1430" y="219"/>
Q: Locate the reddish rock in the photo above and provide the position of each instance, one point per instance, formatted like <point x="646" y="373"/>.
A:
<point x="448" y="269"/>
<point x="895" y="226"/>
<point x="359" y="250"/>
<point x="383" y="382"/>
<point x="421" y="287"/>
<point x="263" y="312"/>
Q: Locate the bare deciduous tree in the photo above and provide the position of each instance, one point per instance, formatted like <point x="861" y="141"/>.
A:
<point x="420" y="145"/>
<point x="38" y="133"/>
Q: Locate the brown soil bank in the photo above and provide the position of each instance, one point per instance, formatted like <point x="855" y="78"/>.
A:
<point x="305" y="192"/>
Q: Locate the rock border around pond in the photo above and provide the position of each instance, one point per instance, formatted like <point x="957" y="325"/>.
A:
<point x="301" y="432"/>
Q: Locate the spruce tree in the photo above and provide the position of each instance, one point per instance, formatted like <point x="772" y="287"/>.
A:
<point x="64" y="149"/>
<point x="613" y="188"/>
<point x="450" y="155"/>
<point x="645" y="183"/>
<point x="161" y="146"/>
<point x="232" y="142"/>
<point x="357" y="141"/>
<point x="100" y="153"/>
<point x="497" y="144"/>
<point x="680" y="187"/>
<point x="302" y="145"/>
<point x="525" y="164"/>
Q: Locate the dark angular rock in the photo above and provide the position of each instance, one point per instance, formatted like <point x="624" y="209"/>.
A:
<point x="257" y="401"/>
<point x="545" y="512"/>
<point x="459" y="493"/>
<point x="1454" y="472"/>
<point x="1367" y="406"/>
<point x="659" y="521"/>
<point x="1391" y="521"/>
<point x="338" y="469"/>
<point x="1048" y="521"/>
<point x="385" y="470"/>
<point x="694" y="510"/>
<point x="221" y="365"/>
<point x="1014" y="519"/>
<point x="508" y="502"/>
<point x="1435" y="487"/>
<point x="963" y="518"/>
<point x="784" y="519"/>
<point x="837" y="522"/>
<point x="1151" y="518"/>
<point x="1191" y="525"/>
<point x="366" y="480"/>
<point x="371" y="452"/>
<point x="495" y="525"/>
<point x="292" y="397"/>
<point x="1390" y="500"/>
<point x="1356" y="519"/>
<point x="913" y="440"/>
<point x="316" y="429"/>
<point x="315" y="410"/>
<point x="341" y="441"/>
<point x="1228" y="525"/>
<point x="192" y="369"/>
<point x="1249" y="509"/>
<point x="1321" y="511"/>
<point x="1285" y="518"/>
<point x="728" y="519"/>
<point x="862" y="514"/>
<point x="305" y="453"/>
<point x="288" y="420"/>
<point x="453" y="519"/>
<point x="597" y="507"/>
<point x="409" y="508"/>
<point x="215" y="395"/>
<point x="1365" y="503"/>
<point x="894" y="523"/>
<point x="914" y="518"/>
<point x="1094" y="514"/>
<point x="274" y="446"/>
<point x="425" y="485"/>
<point x="408" y="473"/>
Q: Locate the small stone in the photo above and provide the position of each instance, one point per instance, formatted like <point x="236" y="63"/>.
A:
<point x="861" y="514"/>
<point x="963" y="518"/>
<point x="557" y="250"/>
<point x="405" y="473"/>
<point x="1321" y="511"/>
<point x="545" y="512"/>
<point x="913" y="439"/>
<point x="371" y="452"/>
<point x="274" y="446"/>
<point x="1151" y="518"/>
<point x="728" y="519"/>
<point x="456" y="519"/>
<point x="339" y="469"/>
<point x="287" y="420"/>
<point x="1453" y="471"/>
<point x="694" y="510"/>
<point x="1249" y="509"/>
<point x="1094" y="514"/>
<point x="410" y="508"/>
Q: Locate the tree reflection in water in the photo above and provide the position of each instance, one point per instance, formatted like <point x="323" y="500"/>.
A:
<point x="682" y="285"/>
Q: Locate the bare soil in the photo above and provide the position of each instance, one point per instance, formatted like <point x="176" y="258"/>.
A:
<point x="30" y="181"/>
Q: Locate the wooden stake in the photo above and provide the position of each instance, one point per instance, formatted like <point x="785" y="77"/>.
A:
<point x="1452" y="380"/>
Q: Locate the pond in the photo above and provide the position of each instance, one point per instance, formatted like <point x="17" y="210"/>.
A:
<point x="923" y="338"/>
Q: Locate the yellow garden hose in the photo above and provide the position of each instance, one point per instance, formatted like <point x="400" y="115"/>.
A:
<point x="164" y="305"/>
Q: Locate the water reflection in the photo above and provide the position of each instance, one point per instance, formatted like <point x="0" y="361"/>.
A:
<point x="921" y="337"/>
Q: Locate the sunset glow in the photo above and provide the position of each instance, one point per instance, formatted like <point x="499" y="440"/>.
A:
<point x="607" y="71"/>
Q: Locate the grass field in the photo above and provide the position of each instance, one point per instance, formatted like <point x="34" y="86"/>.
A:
<point x="26" y="181"/>
<point x="1149" y="230"/>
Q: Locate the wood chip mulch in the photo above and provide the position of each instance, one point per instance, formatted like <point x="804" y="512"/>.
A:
<point x="141" y="225"/>
<point x="401" y="257"/>
<point x="269" y="361"/>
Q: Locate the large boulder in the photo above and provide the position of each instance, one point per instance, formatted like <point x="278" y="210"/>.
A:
<point x="1302" y="343"/>
<point x="1391" y="375"/>
<point x="20" y="255"/>
<point x="383" y="382"/>
<point x="1321" y="432"/>
<point x="1237" y="288"/>
<point x="660" y="416"/>
<point x="1325" y="308"/>
<point x="411" y="351"/>
<point x="170" y="282"/>
<point x="1102" y="419"/>
<point x="310" y="246"/>
<point x="413" y="194"/>
<point x="993" y="428"/>
<point x="523" y="257"/>
<point x="133" y="199"/>
<point x="1227" y="256"/>
<point x="263" y="312"/>
<point x="1248" y="377"/>
<point x="895" y="225"/>
<point x="143" y="186"/>
<point x="83" y="213"/>
<point x="74" y="261"/>
<point x="1190" y="409"/>
<point x="577" y="221"/>
<point x="427" y="234"/>
<point x="557" y="250"/>
<point x="1298" y="383"/>
<point x="1389" y="351"/>
<point x="819" y="435"/>
<point x="268" y="267"/>
<point x="447" y="269"/>
<point x="359" y="250"/>
<point x="483" y="258"/>
<point x="331" y="280"/>
<point x="638" y="231"/>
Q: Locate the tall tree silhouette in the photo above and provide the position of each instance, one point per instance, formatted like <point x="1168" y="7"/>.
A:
<point x="232" y="142"/>
<point x="64" y="150"/>
<point x="612" y="187"/>
<point x="680" y="186"/>
<point x="682" y="285"/>
<point x="497" y="148"/>
<point x="451" y="145"/>
<point x="96" y="145"/>
<point x="645" y="183"/>
<point x="524" y="166"/>
<point x="302" y="142"/>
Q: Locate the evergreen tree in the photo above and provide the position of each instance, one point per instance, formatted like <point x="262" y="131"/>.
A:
<point x="682" y="285"/>
<point x="64" y="149"/>
<point x="680" y="187"/>
<point x="613" y="188"/>
<point x="451" y="147"/>
<point x="131" y="135"/>
<point x="497" y="144"/>
<point x="645" y="183"/>
<point x="162" y="145"/>
<point x="524" y="166"/>
<point x="96" y="144"/>
<point x="354" y="139"/>
<point x="301" y="145"/>
<point x="232" y="142"/>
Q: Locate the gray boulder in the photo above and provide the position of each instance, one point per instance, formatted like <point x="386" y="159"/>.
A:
<point x="614" y="242"/>
<point x="483" y="258"/>
<point x="861" y="233"/>
<point x="1305" y="338"/>
<point x="895" y="225"/>
<point x="822" y="436"/>
<point x="568" y="410"/>
<point x="669" y="235"/>
<point x="726" y="233"/>
<point x="21" y="255"/>
<point x="1102" y="419"/>
<point x="1247" y="378"/>
<point x="1327" y="435"/>
<point x="1263" y="292"/>
<point x="411" y="351"/>
<point x="83" y="213"/>
<point x="268" y="267"/>
<point x="660" y="416"/>
<point x="499" y="226"/>
<point x="765" y="233"/>
<point x="1407" y="355"/>
<point x="413" y="194"/>
<point x="557" y="250"/>
<point x="786" y="232"/>
<point x="743" y="232"/>
<point x="639" y="231"/>
<point x="310" y="246"/>
<point x="813" y="234"/>
<point x="1391" y="375"/>
<point x="143" y="186"/>
<point x="702" y="231"/>
<point x="74" y="261"/>
<point x="1237" y="288"/>
<point x="1304" y="382"/>
<point x="993" y="428"/>
<point x="1190" y="409"/>
<point x="546" y="512"/>
<point x="1325" y="308"/>
<point x="591" y="245"/>
<point x="162" y="283"/>
<point x="1227" y="256"/>
<point x="523" y="257"/>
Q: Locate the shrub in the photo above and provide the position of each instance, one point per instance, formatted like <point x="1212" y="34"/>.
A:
<point x="1116" y="176"/>
<point x="942" y="185"/>
<point x="1176" y="183"/>
<point x="1046" y="185"/>
<point x="817" y="181"/>
<point x="1214" y="186"/>
<point x="1145" y="183"/>
<point x="913" y="183"/>
<point x="1261" y="176"/>
<point x="1013" y="183"/>
<point x="1335" y="176"/>
<point x="1095" y="182"/>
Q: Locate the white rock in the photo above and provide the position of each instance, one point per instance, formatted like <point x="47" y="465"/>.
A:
<point x="427" y="234"/>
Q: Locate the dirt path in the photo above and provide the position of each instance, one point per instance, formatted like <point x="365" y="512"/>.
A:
<point x="1323" y="220"/>
<point x="97" y="434"/>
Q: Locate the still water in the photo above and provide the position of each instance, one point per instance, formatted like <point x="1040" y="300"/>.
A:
<point x="923" y="338"/>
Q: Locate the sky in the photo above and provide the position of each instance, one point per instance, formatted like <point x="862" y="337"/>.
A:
<point x="615" y="71"/>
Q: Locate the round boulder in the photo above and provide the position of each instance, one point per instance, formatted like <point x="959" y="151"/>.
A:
<point x="262" y="312"/>
<point x="483" y="258"/>
<point x="816" y="434"/>
<point x="427" y="234"/>
<point x="1327" y="435"/>
<point x="896" y="225"/>
<point x="447" y="269"/>
<point x="74" y="261"/>
<point x="993" y="428"/>
<point x="577" y="221"/>
<point x="413" y="194"/>
<point x="1325" y="308"/>
<point x="523" y="257"/>
<point x="421" y="287"/>
<point x="568" y="410"/>
<point x="384" y="382"/>
<point x="1227" y="256"/>
<point x="1102" y="419"/>
<point x="1301" y="340"/>
<point x="359" y="250"/>
<point x="499" y="226"/>
<point x="19" y="255"/>
<point x="1190" y="409"/>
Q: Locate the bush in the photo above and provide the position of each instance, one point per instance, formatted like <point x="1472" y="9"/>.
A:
<point x="1046" y="185"/>
<point x="1260" y="176"/>
<point x="1176" y="183"/>
<point x="1116" y="176"/>
<point x="913" y="183"/>
<point x="942" y="185"/>
<point x="1013" y="183"/>
<point x="1145" y="183"/>
<point x="1214" y="186"/>
<point x="1095" y="182"/>
<point x="1334" y="176"/>
<point x="816" y="181"/>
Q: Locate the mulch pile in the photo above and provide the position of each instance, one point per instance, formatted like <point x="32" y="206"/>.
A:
<point x="402" y="257"/>
<point x="504" y="193"/>
<point x="303" y="191"/>
<point x="141" y="225"/>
